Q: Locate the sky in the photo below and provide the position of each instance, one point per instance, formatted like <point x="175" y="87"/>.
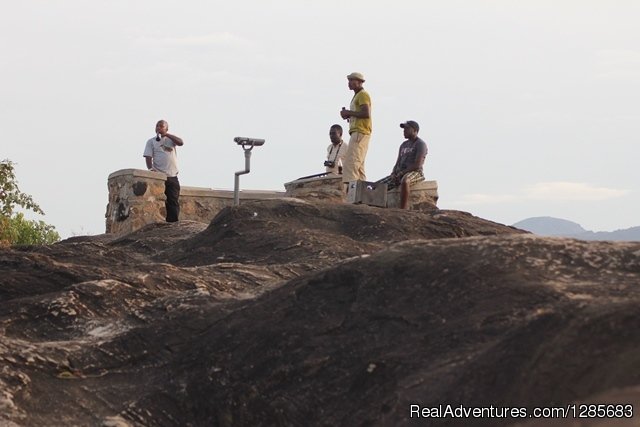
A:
<point x="528" y="107"/>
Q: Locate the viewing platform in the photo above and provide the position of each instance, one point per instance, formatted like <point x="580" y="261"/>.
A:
<point x="136" y="198"/>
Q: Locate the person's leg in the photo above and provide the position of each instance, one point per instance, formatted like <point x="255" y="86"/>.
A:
<point x="408" y="180"/>
<point x="360" y="153"/>
<point x="172" y="204"/>
<point x="349" y="166"/>
<point x="404" y="194"/>
<point x="348" y="172"/>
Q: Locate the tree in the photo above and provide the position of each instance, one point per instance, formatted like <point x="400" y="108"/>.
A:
<point x="14" y="228"/>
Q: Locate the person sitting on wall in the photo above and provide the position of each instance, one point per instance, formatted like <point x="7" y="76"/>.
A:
<point x="335" y="151"/>
<point x="160" y="156"/>
<point x="408" y="168"/>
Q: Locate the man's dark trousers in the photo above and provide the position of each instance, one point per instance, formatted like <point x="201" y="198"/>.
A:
<point x="172" y="191"/>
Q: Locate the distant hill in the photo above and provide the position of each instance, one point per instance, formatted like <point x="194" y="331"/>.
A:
<point x="549" y="226"/>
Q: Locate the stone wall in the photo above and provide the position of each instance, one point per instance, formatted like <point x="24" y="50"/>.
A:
<point x="327" y="187"/>
<point x="423" y="196"/>
<point x="136" y="198"/>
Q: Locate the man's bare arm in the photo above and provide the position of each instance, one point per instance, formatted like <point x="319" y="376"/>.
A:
<point x="176" y="140"/>
<point x="149" y="162"/>
<point x="396" y="167"/>
<point x="417" y="164"/>
<point x="363" y="113"/>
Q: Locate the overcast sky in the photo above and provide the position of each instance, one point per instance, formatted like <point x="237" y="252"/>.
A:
<point x="529" y="108"/>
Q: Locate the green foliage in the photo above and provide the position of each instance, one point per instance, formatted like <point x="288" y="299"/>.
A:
<point x="10" y="194"/>
<point x="21" y="231"/>
<point x="14" y="228"/>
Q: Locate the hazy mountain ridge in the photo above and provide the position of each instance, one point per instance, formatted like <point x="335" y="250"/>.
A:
<point x="557" y="227"/>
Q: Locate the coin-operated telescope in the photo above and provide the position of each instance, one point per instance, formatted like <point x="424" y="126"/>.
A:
<point x="247" y="145"/>
<point x="244" y="141"/>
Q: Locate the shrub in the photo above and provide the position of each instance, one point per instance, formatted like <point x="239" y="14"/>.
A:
<point x="14" y="228"/>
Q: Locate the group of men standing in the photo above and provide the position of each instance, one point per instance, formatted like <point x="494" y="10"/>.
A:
<point x="342" y="158"/>
<point x="407" y="170"/>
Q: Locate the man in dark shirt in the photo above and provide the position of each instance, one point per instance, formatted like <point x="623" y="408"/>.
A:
<point x="408" y="168"/>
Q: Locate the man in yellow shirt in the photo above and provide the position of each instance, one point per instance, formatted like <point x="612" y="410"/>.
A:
<point x="359" y="117"/>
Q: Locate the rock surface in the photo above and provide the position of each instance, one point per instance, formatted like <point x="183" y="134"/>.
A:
<point x="326" y="188"/>
<point x="285" y="312"/>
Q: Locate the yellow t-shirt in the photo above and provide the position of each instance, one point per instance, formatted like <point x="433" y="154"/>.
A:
<point x="362" y="126"/>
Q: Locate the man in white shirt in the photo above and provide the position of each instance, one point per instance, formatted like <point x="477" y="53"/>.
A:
<point x="160" y="156"/>
<point x="336" y="151"/>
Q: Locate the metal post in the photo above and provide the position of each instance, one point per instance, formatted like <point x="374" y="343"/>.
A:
<point x="247" y="145"/>
<point x="247" y="169"/>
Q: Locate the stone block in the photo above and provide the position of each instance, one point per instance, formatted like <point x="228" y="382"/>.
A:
<point x="367" y="193"/>
<point x="327" y="188"/>
<point x="423" y="196"/>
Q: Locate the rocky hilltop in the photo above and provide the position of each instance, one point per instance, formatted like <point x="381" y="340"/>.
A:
<point x="284" y="312"/>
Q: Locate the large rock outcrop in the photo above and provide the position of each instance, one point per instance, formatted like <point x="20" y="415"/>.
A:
<point x="284" y="312"/>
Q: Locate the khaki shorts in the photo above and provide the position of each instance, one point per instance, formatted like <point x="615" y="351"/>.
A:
<point x="353" y="162"/>
<point x="412" y="178"/>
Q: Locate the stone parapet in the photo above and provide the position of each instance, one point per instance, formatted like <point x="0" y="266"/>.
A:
<point x="423" y="196"/>
<point x="329" y="188"/>
<point x="136" y="198"/>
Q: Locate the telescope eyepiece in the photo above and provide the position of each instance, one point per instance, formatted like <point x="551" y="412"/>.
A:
<point x="243" y="140"/>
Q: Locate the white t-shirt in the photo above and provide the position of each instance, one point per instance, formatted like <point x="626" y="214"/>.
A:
<point x="163" y="154"/>
<point x="336" y="154"/>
